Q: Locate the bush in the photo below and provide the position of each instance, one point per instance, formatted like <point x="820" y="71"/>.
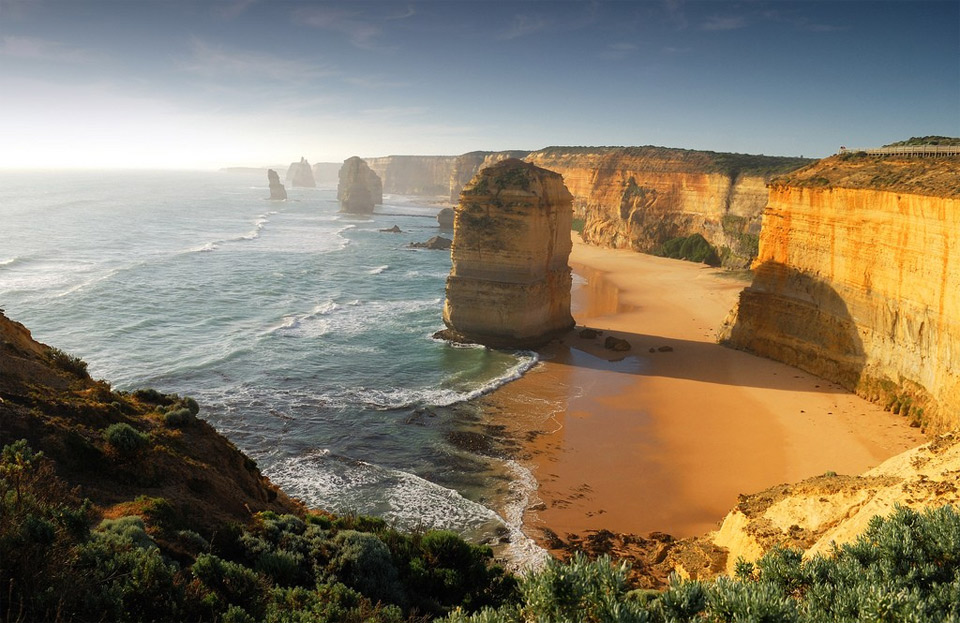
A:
<point x="363" y="562"/>
<point x="694" y="248"/>
<point x="152" y="396"/>
<point x="68" y="363"/>
<point x="179" y="418"/>
<point x="125" y="439"/>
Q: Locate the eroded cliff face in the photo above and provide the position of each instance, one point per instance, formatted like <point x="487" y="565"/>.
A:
<point x="861" y="286"/>
<point x="640" y="197"/>
<point x="414" y="175"/>
<point x="509" y="285"/>
<point x="360" y="189"/>
<point x="465" y="166"/>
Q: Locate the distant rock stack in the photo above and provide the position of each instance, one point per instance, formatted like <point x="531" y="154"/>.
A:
<point x="300" y="174"/>
<point x="445" y="219"/>
<point x="360" y="188"/>
<point x="509" y="286"/>
<point x="277" y="191"/>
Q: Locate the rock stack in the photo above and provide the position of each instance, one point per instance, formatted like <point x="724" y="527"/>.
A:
<point x="509" y="286"/>
<point x="277" y="191"/>
<point x="360" y="188"/>
<point x="300" y="174"/>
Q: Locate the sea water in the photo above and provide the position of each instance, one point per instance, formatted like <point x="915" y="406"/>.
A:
<point x="304" y="333"/>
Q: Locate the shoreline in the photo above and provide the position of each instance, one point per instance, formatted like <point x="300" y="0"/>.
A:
<point x="664" y="437"/>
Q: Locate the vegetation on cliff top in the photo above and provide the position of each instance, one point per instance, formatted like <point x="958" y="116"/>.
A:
<point x="938" y="177"/>
<point x="730" y="164"/>
<point x="926" y="140"/>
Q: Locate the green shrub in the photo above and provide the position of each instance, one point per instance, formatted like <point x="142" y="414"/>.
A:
<point x="179" y="418"/>
<point x="152" y="396"/>
<point x="693" y="248"/>
<point x="68" y="363"/>
<point x="363" y="562"/>
<point x="125" y="439"/>
<point x="577" y="225"/>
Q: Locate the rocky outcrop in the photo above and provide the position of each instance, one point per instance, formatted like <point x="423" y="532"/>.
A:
<point x="862" y="285"/>
<point x="300" y="174"/>
<point x="360" y="188"/>
<point x="814" y="514"/>
<point x="277" y="191"/>
<point x="509" y="285"/>
<point x="414" y="175"/>
<point x="437" y="243"/>
<point x="445" y="218"/>
<point x="640" y="197"/>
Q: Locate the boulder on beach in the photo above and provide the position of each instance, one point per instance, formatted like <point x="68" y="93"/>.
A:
<point x="616" y="344"/>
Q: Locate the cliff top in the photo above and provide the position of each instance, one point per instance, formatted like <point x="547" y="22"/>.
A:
<point x="938" y="177"/>
<point x="688" y="160"/>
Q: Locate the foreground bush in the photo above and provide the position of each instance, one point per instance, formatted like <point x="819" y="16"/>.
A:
<point x="319" y="569"/>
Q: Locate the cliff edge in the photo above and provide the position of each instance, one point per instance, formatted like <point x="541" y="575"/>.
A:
<point x="509" y="284"/>
<point x="118" y="446"/>
<point x="856" y="281"/>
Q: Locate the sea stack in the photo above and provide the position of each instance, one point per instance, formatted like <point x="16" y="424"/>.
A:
<point x="360" y="188"/>
<point x="509" y="285"/>
<point x="277" y="191"/>
<point x="445" y="219"/>
<point x="300" y="174"/>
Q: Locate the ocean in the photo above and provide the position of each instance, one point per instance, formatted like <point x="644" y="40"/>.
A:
<point x="305" y="334"/>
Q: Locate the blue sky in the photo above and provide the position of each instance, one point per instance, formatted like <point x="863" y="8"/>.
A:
<point x="205" y="83"/>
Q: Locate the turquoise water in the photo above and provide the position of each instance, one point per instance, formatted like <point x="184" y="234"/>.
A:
<point x="305" y="334"/>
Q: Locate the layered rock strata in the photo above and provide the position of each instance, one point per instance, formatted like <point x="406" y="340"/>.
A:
<point x="277" y="191"/>
<point x="300" y="174"/>
<point x="509" y="285"/>
<point x="640" y="197"/>
<point x="862" y="285"/>
<point x="360" y="189"/>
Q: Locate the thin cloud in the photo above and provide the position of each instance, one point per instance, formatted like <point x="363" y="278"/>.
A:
<point x="675" y="13"/>
<point x="523" y="25"/>
<point x="212" y="61"/>
<point x="33" y="48"/>
<point x="361" y="32"/>
<point x="717" y="23"/>
<point x="617" y="51"/>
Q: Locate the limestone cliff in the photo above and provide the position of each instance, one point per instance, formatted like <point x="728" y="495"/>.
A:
<point x="326" y="172"/>
<point x="509" y="285"/>
<point x="640" y="197"/>
<point x="300" y="174"/>
<point x="857" y="280"/>
<point x="277" y="191"/>
<point x="360" y="188"/>
<point x="414" y="175"/>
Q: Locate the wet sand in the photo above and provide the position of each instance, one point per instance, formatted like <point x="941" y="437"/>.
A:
<point x="666" y="440"/>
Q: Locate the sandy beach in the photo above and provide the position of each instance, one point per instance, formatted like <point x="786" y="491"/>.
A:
<point x="664" y="437"/>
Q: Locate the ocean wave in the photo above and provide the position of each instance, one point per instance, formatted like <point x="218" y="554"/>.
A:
<point x="342" y="485"/>
<point x="259" y="223"/>
<point x="405" y="398"/>
<point x="378" y="270"/>
<point x="18" y="259"/>
<point x="352" y="318"/>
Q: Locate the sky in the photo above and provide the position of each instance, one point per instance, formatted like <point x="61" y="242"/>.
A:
<point x="204" y="84"/>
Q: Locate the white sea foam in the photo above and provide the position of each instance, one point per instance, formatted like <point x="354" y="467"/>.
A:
<point x="378" y="269"/>
<point x="340" y="484"/>
<point x="11" y="261"/>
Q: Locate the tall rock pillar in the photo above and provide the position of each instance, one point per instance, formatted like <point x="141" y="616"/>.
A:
<point x="509" y="286"/>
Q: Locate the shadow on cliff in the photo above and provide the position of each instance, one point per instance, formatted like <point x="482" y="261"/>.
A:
<point x="784" y="315"/>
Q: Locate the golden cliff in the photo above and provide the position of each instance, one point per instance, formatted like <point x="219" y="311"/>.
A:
<point x="640" y="197"/>
<point x="858" y="281"/>
<point x="509" y="284"/>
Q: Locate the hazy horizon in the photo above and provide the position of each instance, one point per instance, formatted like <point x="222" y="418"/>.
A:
<point x="190" y="85"/>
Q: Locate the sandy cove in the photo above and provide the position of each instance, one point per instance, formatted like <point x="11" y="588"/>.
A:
<point x="665" y="440"/>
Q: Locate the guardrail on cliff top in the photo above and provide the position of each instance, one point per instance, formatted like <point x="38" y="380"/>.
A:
<point x="928" y="151"/>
